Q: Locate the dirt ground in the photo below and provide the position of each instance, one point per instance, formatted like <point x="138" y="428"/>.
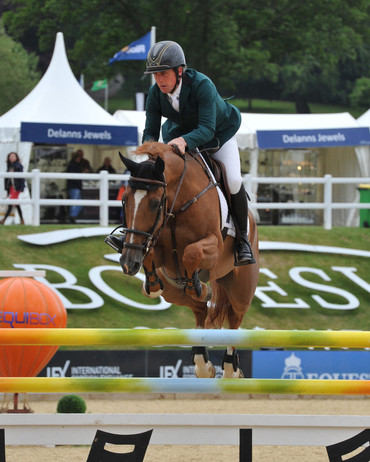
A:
<point x="198" y="405"/>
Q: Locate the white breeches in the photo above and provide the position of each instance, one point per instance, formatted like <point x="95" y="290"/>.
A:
<point x="228" y="154"/>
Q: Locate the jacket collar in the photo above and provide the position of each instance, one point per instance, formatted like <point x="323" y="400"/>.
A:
<point x="185" y="89"/>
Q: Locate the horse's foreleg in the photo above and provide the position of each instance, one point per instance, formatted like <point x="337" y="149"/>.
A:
<point x="200" y="254"/>
<point x="152" y="286"/>
<point x="204" y="369"/>
<point x="230" y="364"/>
<point x="197" y="289"/>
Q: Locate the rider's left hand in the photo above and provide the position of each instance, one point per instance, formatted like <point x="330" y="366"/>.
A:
<point x="180" y="143"/>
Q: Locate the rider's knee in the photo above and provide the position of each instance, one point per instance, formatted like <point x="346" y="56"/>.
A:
<point x="234" y="184"/>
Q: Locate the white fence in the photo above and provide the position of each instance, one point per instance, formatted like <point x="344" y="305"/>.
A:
<point x="183" y="429"/>
<point x="103" y="178"/>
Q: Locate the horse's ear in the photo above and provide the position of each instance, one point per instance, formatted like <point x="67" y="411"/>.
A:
<point x="159" y="166"/>
<point x="131" y="165"/>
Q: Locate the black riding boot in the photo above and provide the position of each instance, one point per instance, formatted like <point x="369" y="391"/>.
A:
<point x="239" y="205"/>
<point x="116" y="242"/>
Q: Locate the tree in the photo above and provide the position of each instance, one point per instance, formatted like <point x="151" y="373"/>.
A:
<point x="298" y="46"/>
<point x="307" y="40"/>
<point x="360" y="95"/>
<point x="18" y="72"/>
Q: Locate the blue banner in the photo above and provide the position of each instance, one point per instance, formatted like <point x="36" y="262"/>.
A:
<point x="296" y="139"/>
<point x="52" y="133"/>
<point x="334" y="365"/>
<point x="135" y="51"/>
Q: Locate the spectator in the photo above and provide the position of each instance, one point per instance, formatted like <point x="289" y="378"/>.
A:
<point x="14" y="186"/>
<point x="107" y="165"/>
<point x="85" y="164"/>
<point x="74" y="186"/>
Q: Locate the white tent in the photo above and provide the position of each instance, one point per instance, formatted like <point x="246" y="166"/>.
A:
<point x="59" y="111"/>
<point x="364" y="121"/>
<point x="340" y="139"/>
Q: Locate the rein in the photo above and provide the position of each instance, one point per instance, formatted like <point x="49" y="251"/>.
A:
<point x="151" y="239"/>
<point x="152" y="236"/>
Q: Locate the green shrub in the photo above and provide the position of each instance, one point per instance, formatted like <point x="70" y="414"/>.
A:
<point x="71" y="404"/>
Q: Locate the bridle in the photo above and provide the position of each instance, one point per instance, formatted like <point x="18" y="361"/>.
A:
<point x="153" y="234"/>
<point x="147" y="245"/>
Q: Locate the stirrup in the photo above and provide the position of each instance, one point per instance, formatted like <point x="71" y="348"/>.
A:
<point x="116" y="242"/>
<point x="244" y="261"/>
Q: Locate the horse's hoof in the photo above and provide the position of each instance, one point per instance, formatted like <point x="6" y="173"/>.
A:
<point x="229" y="372"/>
<point x="204" y="294"/>
<point x="155" y="294"/>
<point x="206" y="371"/>
<point x="209" y="294"/>
<point x="230" y="366"/>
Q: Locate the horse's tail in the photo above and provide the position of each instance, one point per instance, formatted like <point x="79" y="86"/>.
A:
<point x="219" y="307"/>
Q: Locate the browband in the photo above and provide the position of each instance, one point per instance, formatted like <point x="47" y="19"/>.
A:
<point x="147" y="180"/>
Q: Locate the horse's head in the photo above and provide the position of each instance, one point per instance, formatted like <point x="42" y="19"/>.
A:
<point x="143" y="208"/>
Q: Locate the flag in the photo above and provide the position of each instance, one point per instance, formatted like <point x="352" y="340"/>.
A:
<point x="135" y="51"/>
<point x="99" y="85"/>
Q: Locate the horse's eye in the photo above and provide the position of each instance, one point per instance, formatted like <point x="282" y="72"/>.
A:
<point x="154" y="204"/>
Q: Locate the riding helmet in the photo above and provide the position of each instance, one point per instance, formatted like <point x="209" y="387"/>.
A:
<point x="164" y="55"/>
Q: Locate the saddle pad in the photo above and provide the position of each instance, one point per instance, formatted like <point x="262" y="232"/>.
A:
<point x="226" y="219"/>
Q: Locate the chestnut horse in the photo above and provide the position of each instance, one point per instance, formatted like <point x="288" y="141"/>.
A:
<point x="173" y="229"/>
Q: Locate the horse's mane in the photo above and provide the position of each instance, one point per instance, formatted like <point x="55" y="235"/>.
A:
<point x="153" y="149"/>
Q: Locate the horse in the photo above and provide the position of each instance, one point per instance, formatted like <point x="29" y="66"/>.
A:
<point x="172" y="228"/>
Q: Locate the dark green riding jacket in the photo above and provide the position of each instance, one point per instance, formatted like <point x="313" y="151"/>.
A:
<point x="205" y="119"/>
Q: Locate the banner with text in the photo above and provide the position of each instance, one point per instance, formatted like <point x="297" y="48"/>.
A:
<point x="53" y="133"/>
<point x="296" y="139"/>
<point x="134" y="363"/>
<point x="334" y="365"/>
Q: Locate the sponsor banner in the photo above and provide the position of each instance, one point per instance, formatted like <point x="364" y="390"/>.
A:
<point x="79" y="134"/>
<point x="334" y="365"/>
<point x="133" y="363"/>
<point x="14" y="319"/>
<point x="295" y="139"/>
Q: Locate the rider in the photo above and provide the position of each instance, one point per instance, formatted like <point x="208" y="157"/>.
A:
<point x="197" y="117"/>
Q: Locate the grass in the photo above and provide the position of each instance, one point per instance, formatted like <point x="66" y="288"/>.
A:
<point x="79" y="256"/>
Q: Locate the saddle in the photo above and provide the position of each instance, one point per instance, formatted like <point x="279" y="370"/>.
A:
<point x="217" y="169"/>
<point x="219" y="172"/>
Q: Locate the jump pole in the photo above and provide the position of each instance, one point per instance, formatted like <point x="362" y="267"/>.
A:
<point x="183" y="385"/>
<point x="182" y="337"/>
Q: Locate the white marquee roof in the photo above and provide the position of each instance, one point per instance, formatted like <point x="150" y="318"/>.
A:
<point x="58" y="98"/>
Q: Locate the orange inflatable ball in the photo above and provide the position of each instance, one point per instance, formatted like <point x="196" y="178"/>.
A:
<point x="26" y="303"/>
